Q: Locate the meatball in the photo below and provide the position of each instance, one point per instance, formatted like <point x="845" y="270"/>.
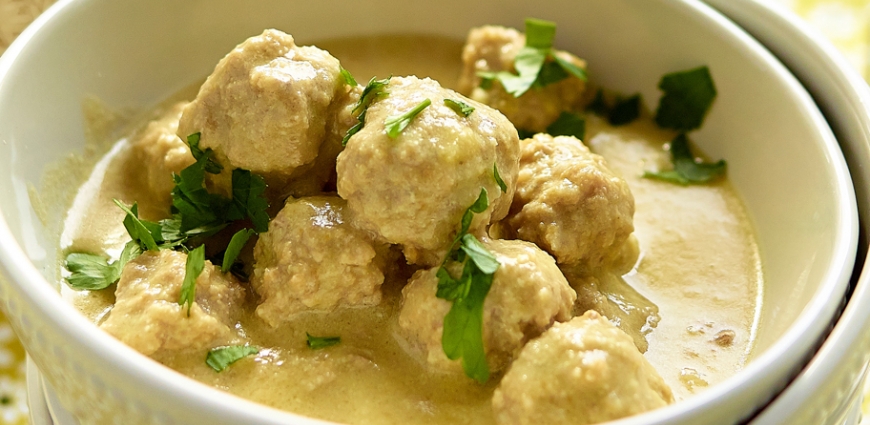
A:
<point x="527" y="295"/>
<point x="414" y="189"/>
<point x="585" y="371"/>
<point x="147" y="316"/>
<point x="493" y="49"/>
<point x="570" y="204"/>
<point x="313" y="259"/>
<point x="265" y="108"/>
<point x="158" y="153"/>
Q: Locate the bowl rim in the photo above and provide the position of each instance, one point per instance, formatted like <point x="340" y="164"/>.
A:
<point x="32" y="285"/>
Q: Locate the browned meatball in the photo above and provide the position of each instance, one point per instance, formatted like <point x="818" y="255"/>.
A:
<point x="313" y="259"/>
<point x="267" y="106"/>
<point x="147" y="316"/>
<point x="528" y="294"/>
<point x="585" y="371"/>
<point x="413" y="190"/>
<point x="493" y="49"/>
<point x="570" y="204"/>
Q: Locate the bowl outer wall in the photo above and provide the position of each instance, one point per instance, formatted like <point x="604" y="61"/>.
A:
<point x="59" y="346"/>
<point x="832" y="382"/>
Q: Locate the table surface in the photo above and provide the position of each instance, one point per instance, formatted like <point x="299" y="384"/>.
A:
<point x="845" y="22"/>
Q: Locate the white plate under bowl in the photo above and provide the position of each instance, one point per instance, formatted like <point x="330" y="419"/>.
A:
<point x="134" y="53"/>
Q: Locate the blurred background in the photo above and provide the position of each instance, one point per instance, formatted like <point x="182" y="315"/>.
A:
<point x="846" y="23"/>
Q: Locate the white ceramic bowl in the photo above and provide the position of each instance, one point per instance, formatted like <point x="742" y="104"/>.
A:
<point x="783" y="160"/>
<point x="830" y="389"/>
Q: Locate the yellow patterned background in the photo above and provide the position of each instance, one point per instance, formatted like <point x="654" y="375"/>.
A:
<point x="845" y="22"/>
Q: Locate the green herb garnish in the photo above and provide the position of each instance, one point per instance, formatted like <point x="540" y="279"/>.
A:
<point x="459" y="107"/>
<point x="373" y="90"/>
<point x="348" y="78"/>
<point x="192" y="269"/>
<point x="396" y="123"/>
<point x="238" y="242"/>
<point x="249" y="199"/>
<point x="146" y="233"/>
<point x="686" y="169"/>
<point x="531" y="62"/>
<point x="211" y="166"/>
<point x="462" y="334"/>
<point x="92" y="272"/>
<point x="222" y="357"/>
<point x="316" y="343"/>
<point x="625" y="111"/>
<point x="501" y="184"/>
<point x="568" y="124"/>
<point x="687" y="97"/>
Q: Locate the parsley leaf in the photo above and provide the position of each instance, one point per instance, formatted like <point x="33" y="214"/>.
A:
<point x="146" y="233"/>
<point x="249" y="199"/>
<point x="396" y="123"/>
<point x="348" y="78"/>
<point x="194" y="205"/>
<point x="92" y="272"/>
<point x="687" y="97"/>
<point x="316" y="343"/>
<point x="568" y="124"/>
<point x="501" y="184"/>
<point x="235" y="247"/>
<point x="570" y="67"/>
<point x="221" y="358"/>
<point x="211" y="165"/>
<point x="686" y="170"/>
<point x="192" y="269"/>
<point x="540" y="33"/>
<point x="625" y="111"/>
<point x="598" y="106"/>
<point x="373" y="90"/>
<point x="462" y="333"/>
<point x="459" y="107"/>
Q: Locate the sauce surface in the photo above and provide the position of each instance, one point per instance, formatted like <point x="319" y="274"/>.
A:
<point x="699" y="264"/>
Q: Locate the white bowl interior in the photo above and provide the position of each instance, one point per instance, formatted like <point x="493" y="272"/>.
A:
<point x="783" y="159"/>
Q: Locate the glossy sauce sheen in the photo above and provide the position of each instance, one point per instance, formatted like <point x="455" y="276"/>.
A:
<point x="699" y="263"/>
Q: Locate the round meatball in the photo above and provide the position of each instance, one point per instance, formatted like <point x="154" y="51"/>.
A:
<point x="158" y="153"/>
<point x="414" y="189"/>
<point x="147" y="316"/>
<point x="527" y="295"/>
<point x="570" y="204"/>
<point x="313" y="259"/>
<point x="585" y="371"/>
<point x="493" y="49"/>
<point x="265" y="106"/>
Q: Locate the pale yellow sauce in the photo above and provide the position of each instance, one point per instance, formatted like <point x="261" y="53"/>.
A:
<point x="699" y="263"/>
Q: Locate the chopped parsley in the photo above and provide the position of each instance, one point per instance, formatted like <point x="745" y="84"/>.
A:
<point x="348" y="78"/>
<point x="687" y="170"/>
<point x="93" y="272"/>
<point x="462" y="333"/>
<point x="687" y="97"/>
<point x="396" y="123"/>
<point x="317" y="343"/>
<point x="568" y="124"/>
<point x="192" y="269"/>
<point x="237" y="242"/>
<point x="146" y="233"/>
<point x="459" y="107"/>
<point x="374" y="89"/>
<point x="624" y="111"/>
<point x="249" y="199"/>
<point x="221" y="358"/>
<point x="498" y="180"/>
<point x="536" y="64"/>
<point x="211" y="165"/>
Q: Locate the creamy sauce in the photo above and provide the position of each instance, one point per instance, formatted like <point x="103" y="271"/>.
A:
<point x="699" y="263"/>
